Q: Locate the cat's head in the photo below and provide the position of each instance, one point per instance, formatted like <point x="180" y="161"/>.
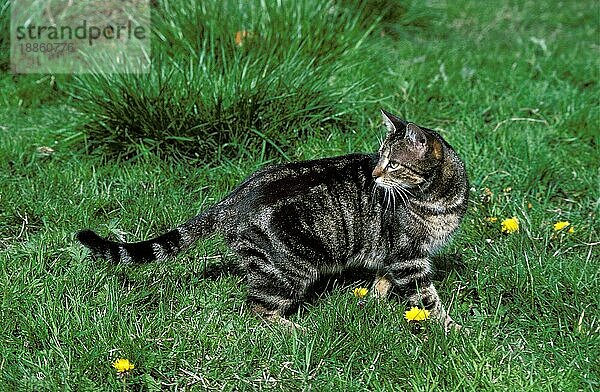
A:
<point x="409" y="156"/>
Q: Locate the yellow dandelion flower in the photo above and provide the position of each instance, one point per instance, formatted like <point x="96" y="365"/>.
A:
<point x="561" y="225"/>
<point x="491" y="219"/>
<point x="510" y="225"/>
<point x="416" y="314"/>
<point x="123" y="365"/>
<point x="360" y="292"/>
<point x="558" y="226"/>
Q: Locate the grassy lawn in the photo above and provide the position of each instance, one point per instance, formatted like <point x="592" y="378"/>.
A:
<point x="512" y="86"/>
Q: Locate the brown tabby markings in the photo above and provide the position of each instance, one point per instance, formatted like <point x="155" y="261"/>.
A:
<point x="292" y="224"/>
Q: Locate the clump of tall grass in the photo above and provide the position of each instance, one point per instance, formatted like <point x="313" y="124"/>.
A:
<point x="229" y="75"/>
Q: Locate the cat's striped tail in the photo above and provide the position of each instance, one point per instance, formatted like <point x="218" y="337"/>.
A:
<point x="159" y="248"/>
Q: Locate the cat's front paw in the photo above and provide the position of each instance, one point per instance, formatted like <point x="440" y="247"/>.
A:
<point x="381" y="287"/>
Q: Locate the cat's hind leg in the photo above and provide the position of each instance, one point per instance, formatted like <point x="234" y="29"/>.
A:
<point x="273" y="291"/>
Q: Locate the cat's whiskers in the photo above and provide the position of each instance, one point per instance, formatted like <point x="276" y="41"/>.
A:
<point x="402" y="191"/>
<point x="374" y="190"/>
<point x="389" y="188"/>
<point x="401" y="194"/>
<point x="385" y="203"/>
<point x="387" y="198"/>
<point x="405" y="189"/>
<point x="393" y="194"/>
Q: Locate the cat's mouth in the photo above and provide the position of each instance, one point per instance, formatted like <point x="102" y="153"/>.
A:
<point x="387" y="184"/>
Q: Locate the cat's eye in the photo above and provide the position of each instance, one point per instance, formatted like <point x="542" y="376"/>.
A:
<point x="393" y="165"/>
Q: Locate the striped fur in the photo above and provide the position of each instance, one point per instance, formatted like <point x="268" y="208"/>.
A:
<point x="292" y="224"/>
<point x="159" y="248"/>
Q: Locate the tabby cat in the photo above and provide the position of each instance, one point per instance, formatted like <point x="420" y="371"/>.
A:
<point x="292" y="224"/>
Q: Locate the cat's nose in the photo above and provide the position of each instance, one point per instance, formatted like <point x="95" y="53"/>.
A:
<point x="377" y="172"/>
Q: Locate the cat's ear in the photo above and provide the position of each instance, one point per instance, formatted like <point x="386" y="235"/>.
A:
<point x="392" y="123"/>
<point x="416" y="136"/>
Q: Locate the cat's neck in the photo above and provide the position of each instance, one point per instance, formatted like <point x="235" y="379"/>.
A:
<point x="444" y="194"/>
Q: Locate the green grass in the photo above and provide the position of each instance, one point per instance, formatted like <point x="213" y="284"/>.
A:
<point x="513" y="87"/>
<point x="208" y="95"/>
